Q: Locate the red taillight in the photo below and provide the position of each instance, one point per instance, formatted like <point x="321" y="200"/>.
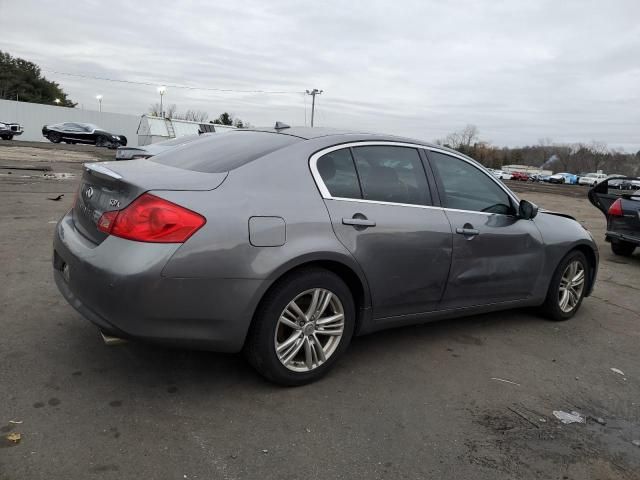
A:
<point x="615" y="210"/>
<point x="152" y="219"/>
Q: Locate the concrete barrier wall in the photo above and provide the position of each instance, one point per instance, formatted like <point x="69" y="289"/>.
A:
<point x="32" y="116"/>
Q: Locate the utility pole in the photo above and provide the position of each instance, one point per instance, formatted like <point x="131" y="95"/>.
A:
<point x="313" y="94"/>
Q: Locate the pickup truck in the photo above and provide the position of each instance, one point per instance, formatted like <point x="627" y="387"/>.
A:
<point x="622" y="211"/>
<point x="592" y="179"/>
<point x="9" y="130"/>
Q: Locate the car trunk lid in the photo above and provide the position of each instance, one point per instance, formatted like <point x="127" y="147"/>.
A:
<point x="111" y="186"/>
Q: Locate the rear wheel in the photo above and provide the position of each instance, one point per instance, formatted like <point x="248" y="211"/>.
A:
<point x="624" y="249"/>
<point x="567" y="287"/>
<point x="303" y="325"/>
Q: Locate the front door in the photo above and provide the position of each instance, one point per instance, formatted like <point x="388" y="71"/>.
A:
<point x="497" y="257"/>
<point x="379" y="201"/>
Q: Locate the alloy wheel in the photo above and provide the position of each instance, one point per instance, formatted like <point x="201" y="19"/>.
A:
<point x="571" y="286"/>
<point x="309" y="330"/>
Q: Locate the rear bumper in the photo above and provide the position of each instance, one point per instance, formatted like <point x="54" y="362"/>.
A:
<point x="609" y="236"/>
<point x="118" y="286"/>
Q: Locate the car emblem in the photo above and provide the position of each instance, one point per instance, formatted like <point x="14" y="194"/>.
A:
<point x="89" y="192"/>
<point x="113" y="202"/>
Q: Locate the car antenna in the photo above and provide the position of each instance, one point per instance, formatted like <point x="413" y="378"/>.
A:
<point x="281" y="126"/>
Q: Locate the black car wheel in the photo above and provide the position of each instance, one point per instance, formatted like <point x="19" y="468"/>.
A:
<point x="302" y="327"/>
<point x="55" y="137"/>
<point x="624" y="249"/>
<point x="567" y="288"/>
<point x="7" y="137"/>
<point x="102" y="141"/>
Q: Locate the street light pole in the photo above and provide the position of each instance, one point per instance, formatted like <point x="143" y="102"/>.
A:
<point x="161" y="91"/>
<point x="313" y="94"/>
<point x="99" y="98"/>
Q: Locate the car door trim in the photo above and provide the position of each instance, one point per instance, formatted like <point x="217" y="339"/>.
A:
<point x="324" y="191"/>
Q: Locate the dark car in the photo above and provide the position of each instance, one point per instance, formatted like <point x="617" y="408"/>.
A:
<point x="286" y="243"/>
<point x="70" y="132"/>
<point x="9" y="130"/>
<point x="622" y="210"/>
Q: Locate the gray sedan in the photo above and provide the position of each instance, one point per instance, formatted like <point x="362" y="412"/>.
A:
<point x="286" y="243"/>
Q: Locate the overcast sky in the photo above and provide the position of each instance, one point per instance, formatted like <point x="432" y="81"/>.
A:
<point x="519" y="70"/>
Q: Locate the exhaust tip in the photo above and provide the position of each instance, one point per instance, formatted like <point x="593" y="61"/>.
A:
<point x="109" y="340"/>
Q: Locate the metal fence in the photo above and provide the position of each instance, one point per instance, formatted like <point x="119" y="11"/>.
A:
<point x="32" y="116"/>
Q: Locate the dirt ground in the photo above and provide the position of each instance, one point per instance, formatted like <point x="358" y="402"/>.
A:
<point x="469" y="398"/>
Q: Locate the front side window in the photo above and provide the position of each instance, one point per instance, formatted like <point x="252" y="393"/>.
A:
<point x="392" y="174"/>
<point x="338" y="173"/>
<point x="467" y="187"/>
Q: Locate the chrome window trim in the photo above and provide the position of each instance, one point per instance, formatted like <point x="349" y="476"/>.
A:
<point x="324" y="191"/>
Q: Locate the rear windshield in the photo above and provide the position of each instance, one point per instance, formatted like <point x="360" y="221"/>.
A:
<point x="219" y="153"/>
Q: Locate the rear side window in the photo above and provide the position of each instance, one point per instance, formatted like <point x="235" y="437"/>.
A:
<point x="467" y="187"/>
<point x="339" y="174"/>
<point x="220" y="153"/>
<point x="392" y="174"/>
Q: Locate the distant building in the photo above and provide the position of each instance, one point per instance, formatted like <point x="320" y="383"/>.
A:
<point x="156" y="129"/>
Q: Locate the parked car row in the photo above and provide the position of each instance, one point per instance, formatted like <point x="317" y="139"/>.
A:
<point x="68" y="132"/>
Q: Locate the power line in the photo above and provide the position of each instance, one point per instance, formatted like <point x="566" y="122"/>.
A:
<point x="186" y="87"/>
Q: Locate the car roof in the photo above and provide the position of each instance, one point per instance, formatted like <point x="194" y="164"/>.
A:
<point x="309" y="133"/>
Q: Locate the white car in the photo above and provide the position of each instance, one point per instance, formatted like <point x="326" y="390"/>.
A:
<point x="502" y="175"/>
<point x="592" y="179"/>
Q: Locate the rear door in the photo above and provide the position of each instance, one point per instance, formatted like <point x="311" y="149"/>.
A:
<point x="497" y="256"/>
<point x="379" y="200"/>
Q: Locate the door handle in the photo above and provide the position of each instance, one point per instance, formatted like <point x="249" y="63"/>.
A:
<point x="467" y="231"/>
<point x="359" y="222"/>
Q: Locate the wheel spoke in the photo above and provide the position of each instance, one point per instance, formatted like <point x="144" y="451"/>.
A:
<point x="334" y="332"/>
<point x="319" y="350"/>
<point x="324" y="301"/>
<point x="289" y="323"/>
<point x="578" y="279"/>
<point x="327" y="321"/>
<point x="564" y="300"/>
<point x="293" y="351"/>
<point x="314" y="303"/>
<point x="308" y="355"/>
<point x="285" y="345"/>
<point x="297" y="311"/>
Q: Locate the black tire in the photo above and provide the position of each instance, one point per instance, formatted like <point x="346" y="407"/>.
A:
<point x="7" y="137"/>
<point x="551" y="307"/>
<point x="260" y="348"/>
<point x="123" y="140"/>
<point x="624" y="249"/>
<point x="55" y="137"/>
<point x="102" y="141"/>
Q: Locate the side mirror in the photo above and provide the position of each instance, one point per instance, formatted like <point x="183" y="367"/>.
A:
<point x="527" y="210"/>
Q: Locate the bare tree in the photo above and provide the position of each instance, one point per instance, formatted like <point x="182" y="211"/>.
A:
<point x="193" y="115"/>
<point x="169" y="110"/>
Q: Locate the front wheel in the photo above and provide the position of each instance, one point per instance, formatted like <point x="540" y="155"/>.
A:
<point x="7" y="137"/>
<point x="624" y="249"/>
<point x="55" y="137"/>
<point x="567" y="287"/>
<point x="302" y="327"/>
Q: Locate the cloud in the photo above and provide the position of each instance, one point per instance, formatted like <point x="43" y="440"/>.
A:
<point x="519" y="71"/>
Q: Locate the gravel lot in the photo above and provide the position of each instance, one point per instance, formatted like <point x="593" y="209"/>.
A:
<point x="469" y="398"/>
